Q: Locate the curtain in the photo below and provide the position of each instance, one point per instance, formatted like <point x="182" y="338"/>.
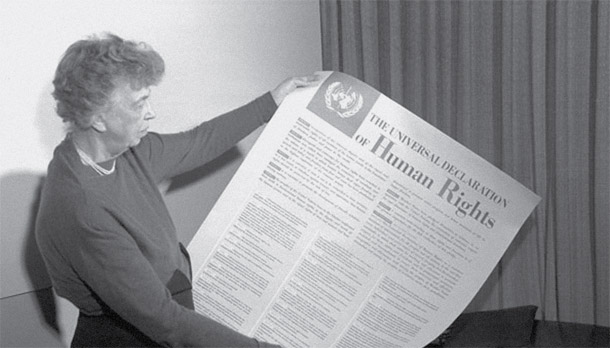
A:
<point x="524" y="84"/>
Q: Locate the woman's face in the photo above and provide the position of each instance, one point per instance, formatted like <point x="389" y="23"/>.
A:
<point x="127" y="117"/>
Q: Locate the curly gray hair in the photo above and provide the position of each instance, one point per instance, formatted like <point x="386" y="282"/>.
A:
<point x="91" y="69"/>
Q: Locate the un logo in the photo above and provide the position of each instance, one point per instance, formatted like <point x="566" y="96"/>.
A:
<point x="345" y="103"/>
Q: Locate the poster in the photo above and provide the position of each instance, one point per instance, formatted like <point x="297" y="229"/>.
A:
<point x="353" y="223"/>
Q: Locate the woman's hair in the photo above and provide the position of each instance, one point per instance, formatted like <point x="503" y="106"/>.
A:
<point x="91" y="69"/>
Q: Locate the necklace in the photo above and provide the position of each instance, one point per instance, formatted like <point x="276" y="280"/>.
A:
<point x="86" y="160"/>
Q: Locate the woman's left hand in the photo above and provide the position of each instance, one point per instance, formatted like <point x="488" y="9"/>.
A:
<point x="290" y="84"/>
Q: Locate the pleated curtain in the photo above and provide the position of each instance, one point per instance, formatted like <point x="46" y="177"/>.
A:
<point x="524" y="84"/>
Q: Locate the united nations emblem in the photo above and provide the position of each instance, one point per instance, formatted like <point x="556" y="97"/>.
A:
<point x="344" y="103"/>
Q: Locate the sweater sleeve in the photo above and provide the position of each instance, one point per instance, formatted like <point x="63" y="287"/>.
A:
<point x="173" y="154"/>
<point x="112" y="265"/>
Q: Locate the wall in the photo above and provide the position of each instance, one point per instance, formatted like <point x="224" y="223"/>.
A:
<point x="219" y="55"/>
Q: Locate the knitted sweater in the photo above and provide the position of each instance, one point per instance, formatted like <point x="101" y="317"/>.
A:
<point x="109" y="243"/>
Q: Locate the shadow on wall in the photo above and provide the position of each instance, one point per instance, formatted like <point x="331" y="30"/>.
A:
<point x="23" y="269"/>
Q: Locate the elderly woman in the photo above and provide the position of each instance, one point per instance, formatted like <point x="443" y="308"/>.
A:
<point x="106" y="236"/>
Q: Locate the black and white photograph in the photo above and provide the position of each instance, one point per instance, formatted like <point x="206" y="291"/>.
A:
<point x="305" y="173"/>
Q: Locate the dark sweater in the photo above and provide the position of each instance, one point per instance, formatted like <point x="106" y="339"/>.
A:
<point x="109" y="243"/>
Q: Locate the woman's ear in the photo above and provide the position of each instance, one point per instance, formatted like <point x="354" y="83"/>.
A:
<point x="98" y="123"/>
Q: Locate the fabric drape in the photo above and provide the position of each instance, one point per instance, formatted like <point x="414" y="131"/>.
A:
<point x="524" y="84"/>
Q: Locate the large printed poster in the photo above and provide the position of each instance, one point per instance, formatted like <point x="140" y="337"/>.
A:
<point x="353" y="223"/>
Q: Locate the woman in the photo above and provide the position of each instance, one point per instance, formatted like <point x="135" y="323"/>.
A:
<point x="103" y="229"/>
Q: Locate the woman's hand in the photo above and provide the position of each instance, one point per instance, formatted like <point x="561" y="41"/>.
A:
<point x="290" y="84"/>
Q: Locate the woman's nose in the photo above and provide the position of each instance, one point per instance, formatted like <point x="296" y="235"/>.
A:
<point x="150" y="113"/>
